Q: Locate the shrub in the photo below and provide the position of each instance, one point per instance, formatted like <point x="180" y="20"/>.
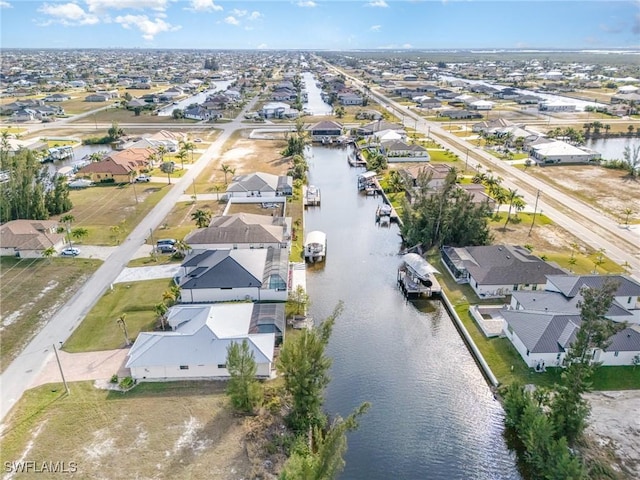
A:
<point x="126" y="383"/>
<point x="114" y="378"/>
<point x="108" y="180"/>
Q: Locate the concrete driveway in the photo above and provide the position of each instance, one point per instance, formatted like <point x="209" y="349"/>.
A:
<point x="136" y="274"/>
<point x="83" y="366"/>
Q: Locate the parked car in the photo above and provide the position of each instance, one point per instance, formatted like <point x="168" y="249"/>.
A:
<point x="70" y="252"/>
<point x="81" y="183"/>
<point x="167" y="241"/>
<point x="166" y="248"/>
<point x="143" y="178"/>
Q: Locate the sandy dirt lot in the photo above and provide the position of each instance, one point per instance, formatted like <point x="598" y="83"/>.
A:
<point x="615" y="422"/>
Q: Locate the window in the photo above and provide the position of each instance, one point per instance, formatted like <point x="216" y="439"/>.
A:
<point x="515" y="287"/>
<point x="629" y="300"/>
<point x="184" y="367"/>
<point x="615" y="354"/>
<point x="535" y="287"/>
<point x="527" y="353"/>
<point x="222" y="365"/>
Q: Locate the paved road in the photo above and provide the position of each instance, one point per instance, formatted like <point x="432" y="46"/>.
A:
<point x="24" y="370"/>
<point x="592" y="227"/>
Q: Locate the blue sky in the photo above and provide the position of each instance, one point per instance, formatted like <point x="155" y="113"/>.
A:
<point x="317" y="24"/>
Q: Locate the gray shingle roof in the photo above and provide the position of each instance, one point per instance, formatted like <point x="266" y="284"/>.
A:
<point x="570" y="285"/>
<point x="240" y="228"/>
<point x="504" y="265"/>
<point x="543" y="332"/>
<point x="225" y="269"/>
<point x="627" y="340"/>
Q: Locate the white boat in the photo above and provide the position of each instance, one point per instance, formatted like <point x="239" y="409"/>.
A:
<point x="315" y="246"/>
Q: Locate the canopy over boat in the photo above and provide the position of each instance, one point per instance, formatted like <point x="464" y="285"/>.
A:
<point x="419" y="265"/>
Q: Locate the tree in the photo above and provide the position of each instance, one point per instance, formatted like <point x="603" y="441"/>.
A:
<point x="168" y="168"/>
<point x="177" y="114"/>
<point x="512" y="197"/>
<point x="67" y="220"/>
<point x="340" y="112"/>
<point x="324" y="459"/>
<point x="161" y="312"/>
<point x="299" y="168"/>
<point x="181" y="249"/>
<point x="189" y="147"/>
<point x="201" y="217"/>
<point x="181" y="155"/>
<point x="395" y="183"/>
<point x="227" y="169"/>
<point x="169" y="297"/>
<point x="630" y="129"/>
<point x="137" y="111"/>
<point x="79" y="233"/>
<point x="57" y="199"/>
<point x="48" y="253"/>
<point x="243" y="388"/>
<point x="627" y="212"/>
<point x="23" y="195"/>
<point x="115" y="132"/>
<point x="115" y="233"/>
<point x="299" y="299"/>
<point x="631" y="157"/>
<point x="305" y="368"/>
<point x="161" y="151"/>
<point x="569" y="410"/>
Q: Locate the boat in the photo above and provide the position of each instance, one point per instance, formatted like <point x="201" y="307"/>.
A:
<point x="315" y="246"/>
<point x="416" y="277"/>
<point x="383" y="214"/>
<point x="311" y="195"/>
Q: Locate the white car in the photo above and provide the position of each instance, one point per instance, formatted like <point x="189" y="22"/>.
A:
<point x="143" y="178"/>
<point x="70" y="252"/>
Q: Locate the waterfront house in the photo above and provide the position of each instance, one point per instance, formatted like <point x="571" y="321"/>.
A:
<point x="241" y="230"/>
<point x="558" y="152"/>
<point x="543" y="339"/>
<point x="325" y="130"/>
<point x="399" y="150"/>
<point x="495" y="271"/>
<point x="260" y="184"/>
<point x="57" y="97"/>
<point x="278" y="110"/>
<point x="196" y="348"/>
<point x="378" y="126"/>
<point x="234" y="275"/>
<point x="119" y="166"/>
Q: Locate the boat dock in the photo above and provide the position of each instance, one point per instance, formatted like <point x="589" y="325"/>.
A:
<point x="310" y="196"/>
<point x="416" y="278"/>
<point x="355" y="159"/>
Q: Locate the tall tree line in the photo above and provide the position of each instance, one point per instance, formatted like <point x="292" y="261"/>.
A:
<point x="30" y="192"/>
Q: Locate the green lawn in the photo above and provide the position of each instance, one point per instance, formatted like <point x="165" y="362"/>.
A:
<point x="99" y="330"/>
<point x="442" y="156"/>
<point x="178" y="223"/>
<point x="505" y="361"/>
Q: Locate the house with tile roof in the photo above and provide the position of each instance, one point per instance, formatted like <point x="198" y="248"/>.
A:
<point x="241" y="230"/>
<point x="234" y="275"/>
<point x="325" y="130"/>
<point x="495" y="271"/>
<point x="29" y="238"/>
<point x="120" y="166"/>
<point x="196" y="348"/>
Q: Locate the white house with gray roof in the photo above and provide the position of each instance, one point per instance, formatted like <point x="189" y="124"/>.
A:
<point x="260" y="184"/>
<point x="494" y="271"/>
<point x="234" y="275"/>
<point x="196" y="348"/>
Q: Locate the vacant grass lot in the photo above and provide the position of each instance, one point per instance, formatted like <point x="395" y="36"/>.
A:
<point x="32" y="290"/>
<point x="177" y="430"/>
<point x="99" y="330"/>
<point x="98" y="209"/>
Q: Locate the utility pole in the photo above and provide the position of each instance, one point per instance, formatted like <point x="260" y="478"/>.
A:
<point x="466" y="160"/>
<point x="195" y="196"/>
<point x="535" y="209"/>
<point x="64" y="381"/>
<point x="153" y="243"/>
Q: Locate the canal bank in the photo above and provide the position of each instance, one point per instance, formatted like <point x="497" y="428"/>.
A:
<point x="433" y="414"/>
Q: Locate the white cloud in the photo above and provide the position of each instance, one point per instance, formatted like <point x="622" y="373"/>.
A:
<point x="375" y="28"/>
<point x="407" y="45"/>
<point x="377" y="3"/>
<point x="255" y="15"/>
<point x="67" y="14"/>
<point x="4" y="4"/>
<point x="204" y="6"/>
<point x="149" y="28"/>
<point x="262" y="46"/>
<point x="307" y="3"/>
<point x="239" y="13"/>
<point x="231" y="20"/>
<point x="103" y="5"/>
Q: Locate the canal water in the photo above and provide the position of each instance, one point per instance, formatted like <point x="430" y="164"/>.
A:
<point x="612" y="148"/>
<point x="315" y="105"/>
<point x="217" y="86"/>
<point x="433" y="415"/>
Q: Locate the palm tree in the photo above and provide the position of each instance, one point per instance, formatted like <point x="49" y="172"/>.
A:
<point x="630" y="129"/>
<point x="169" y="297"/>
<point x="132" y="178"/>
<point x="227" y="169"/>
<point x="67" y="220"/>
<point x="115" y="232"/>
<point x="161" y="151"/>
<point x="79" y="233"/>
<point x="512" y="196"/>
<point x="395" y="183"/>
<point x="161" y="311"/>
<point x="189" y="147"/>
<point x="217" y="188"/>
<point x="500" y="196"/>
<point x="48" y="253"/>
<point x="627" y="212"/>
<point x="181" y="249"/>
<point x="182" y="154"/>
<point x="201" y="217"/>
<point x="607" y="127"/>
